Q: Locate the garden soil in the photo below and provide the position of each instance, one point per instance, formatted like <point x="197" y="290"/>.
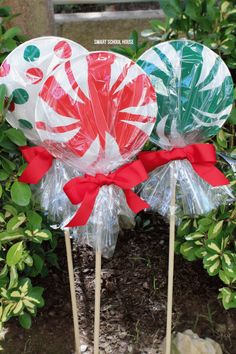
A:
<point x="133" y="308"/>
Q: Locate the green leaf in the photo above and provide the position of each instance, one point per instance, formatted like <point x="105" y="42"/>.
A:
<point x="171" y="8"/>
<point x="134" y="38"/>
<point x="10" y="209"/>
<point x="15" y="222"/>
<point x="229" y="264"/>
<point x="38" y="262"/>
<point x="2" y="218"/>
<point x="35" y="296"/>
<point x="5" y="11"/>
<point x="29" y="261"/>
<point x="192" y="10"/>
<point x="194" y="236"/>
<point x="14" y="254"/>
<point x="205" y="221"/>
<point x="228" y="298"/>
<point x="11" y="236"/>
<point x="221" y="139"/>
<point x="8" y="45"/>
<point x="187" y="249"/>
<point x="25" y="285"/>
<point x="3" y="175"/>
<point x="34" y="219"/>
<point x="184" y="228"/>
<point x="126" y="51"/>
<point x="7" y="165"/>
<point x="232" y="117"/>
<point x="212" y="263"/>
<point x="43" y="234"/>
<point x="213" y="246"/>
<point x="52" y="258"/>
<point x="13" y="278"/>
<point x="157" y="24"/>
<point x="25" y="320"/>
<point x="20" y="193"/>
<point x="16" y="136"/>
<point x="224" y="6"/>
<point x="11" y="33"/>
<point x="215" y="229"/>
<point x="7" y="145"/>
<point x="3" y="93"/>
<point x="4" y="271"/>
<point x="223" y="276"/>
<point x="147" y="33"/>
<point x="6" y="312"/>
<point x="18" y="308"/>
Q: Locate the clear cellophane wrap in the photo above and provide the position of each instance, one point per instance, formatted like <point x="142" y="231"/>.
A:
<point x="194" y="94"/>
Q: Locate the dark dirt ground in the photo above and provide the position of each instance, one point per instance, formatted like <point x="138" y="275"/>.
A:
<point x="133" y="313"/>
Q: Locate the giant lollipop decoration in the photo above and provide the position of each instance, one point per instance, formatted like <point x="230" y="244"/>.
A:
<point x="24" y="72"/>
<point x="95" y="112"/>
<point x="195" y="95"/>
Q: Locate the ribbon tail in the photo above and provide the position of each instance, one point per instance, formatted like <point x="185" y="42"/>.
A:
<point x="135" y="203"/>
<point x="83" y="213"/>
<point x="36" y="169"/>
<point x="211" y="174"/>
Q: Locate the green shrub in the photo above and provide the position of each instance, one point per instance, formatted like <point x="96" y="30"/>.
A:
<point x="26" y="245"/>
<point x="211" y="238"/>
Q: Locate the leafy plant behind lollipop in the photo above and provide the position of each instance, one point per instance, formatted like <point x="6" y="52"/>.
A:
<point x="26" y="245"/>
<point x="10" y="37"/>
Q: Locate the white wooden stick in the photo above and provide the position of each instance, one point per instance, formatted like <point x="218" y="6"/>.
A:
<point x="171" y="262"/>
<point x="72" y="291"/>
<point x="97" y="302"/>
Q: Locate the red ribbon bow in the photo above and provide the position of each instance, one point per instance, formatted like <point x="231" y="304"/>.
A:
<point x="39" y="162"/>
<point x="201" y="156"/>
<point x="85" y="189"/>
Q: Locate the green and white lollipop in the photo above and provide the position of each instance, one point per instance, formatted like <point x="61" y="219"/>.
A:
<point x="194" y="92"/>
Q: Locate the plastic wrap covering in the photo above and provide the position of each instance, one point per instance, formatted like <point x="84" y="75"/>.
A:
<point x="49" y="193"/>
<point x="24" y="72"/>
<point x="95" y="112"/>
<point x="106" y="220"/>
<point x="193" y="195"/>
<point x="195" y="95"/>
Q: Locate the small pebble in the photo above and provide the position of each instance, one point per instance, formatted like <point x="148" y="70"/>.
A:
<point x="83" y="348"/>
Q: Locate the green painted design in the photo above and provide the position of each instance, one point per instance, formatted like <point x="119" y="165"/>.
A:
<point x="194" y="91"/>
<point x="20" y="96"/>
<point x="25" y="124"/>
<point x="31" y="53"/>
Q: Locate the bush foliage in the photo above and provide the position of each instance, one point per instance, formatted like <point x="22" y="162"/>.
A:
<point x="210" y="237"/>
<point x="26" y="245"/>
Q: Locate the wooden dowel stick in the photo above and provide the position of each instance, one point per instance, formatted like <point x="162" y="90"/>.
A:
<point x="97" y="302"/>
<point x="171" y="263"/>
<point x="72" y="291"/>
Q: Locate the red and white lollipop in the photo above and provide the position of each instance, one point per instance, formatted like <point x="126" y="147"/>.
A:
<point x="96" y="111"/>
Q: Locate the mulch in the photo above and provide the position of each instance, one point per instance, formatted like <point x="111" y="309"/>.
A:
<point x="133" y="308"/>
